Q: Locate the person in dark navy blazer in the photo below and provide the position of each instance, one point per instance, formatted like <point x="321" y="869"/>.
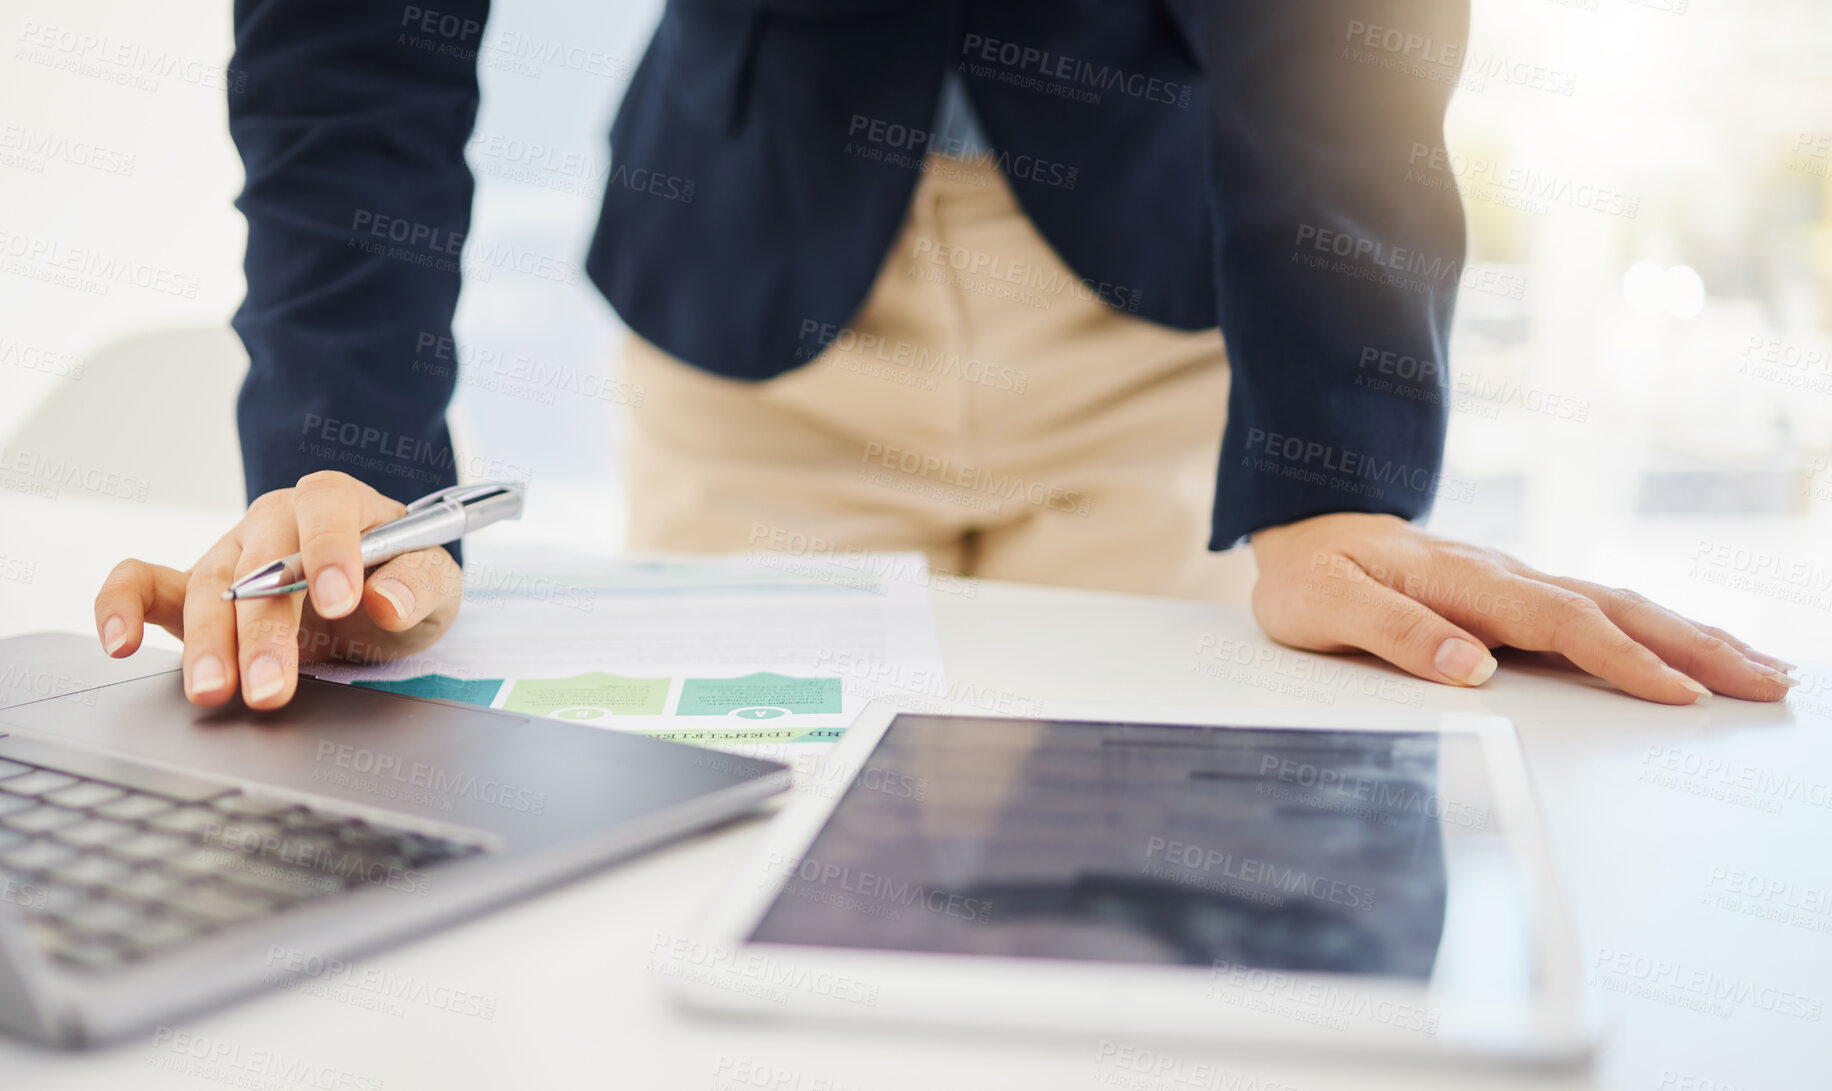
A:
<point x="1190" y="166"/>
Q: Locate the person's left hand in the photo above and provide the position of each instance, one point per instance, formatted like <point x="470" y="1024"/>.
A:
<point x="1434" y="607"/>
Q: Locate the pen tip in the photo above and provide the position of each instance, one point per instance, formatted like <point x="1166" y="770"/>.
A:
<point x="228" y="596"/>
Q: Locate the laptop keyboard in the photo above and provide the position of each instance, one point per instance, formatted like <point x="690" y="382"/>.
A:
<point x="108" y="874"/>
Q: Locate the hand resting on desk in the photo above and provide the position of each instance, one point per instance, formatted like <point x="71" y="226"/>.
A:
<point x="1433" y="607"/>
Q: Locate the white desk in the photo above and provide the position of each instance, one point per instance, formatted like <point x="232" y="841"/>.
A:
<point x="1637" y="837"/>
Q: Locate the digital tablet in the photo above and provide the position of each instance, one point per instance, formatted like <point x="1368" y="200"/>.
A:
<point x="1356" y="880"/>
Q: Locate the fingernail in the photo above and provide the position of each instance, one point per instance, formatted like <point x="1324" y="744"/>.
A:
<point x="1461" y="661"/>
<point x="397" y="594"/>
<point x="265" y="678"/>
<point x="1691" y="685"/>
<point x="1768" y="660"/>
<point x="207" y="675"/>
<point x="332" y="590"/>
<point x="114" y="634"/>
<point x="1774" y="675"/>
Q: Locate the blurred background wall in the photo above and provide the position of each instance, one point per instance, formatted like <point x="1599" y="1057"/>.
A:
<point x="1642" y="356"/>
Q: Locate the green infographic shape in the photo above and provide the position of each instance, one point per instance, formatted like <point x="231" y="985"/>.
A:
<point x="588" y="696"/>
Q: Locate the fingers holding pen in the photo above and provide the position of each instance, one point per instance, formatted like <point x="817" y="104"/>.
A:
<point x="330" y="511"/>
<point x="267" y="627"/>
<point x="210" y="669"/>
<point x="425" y="585"/>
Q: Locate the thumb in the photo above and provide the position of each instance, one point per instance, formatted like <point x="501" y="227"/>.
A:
<point x="407" y="590"/>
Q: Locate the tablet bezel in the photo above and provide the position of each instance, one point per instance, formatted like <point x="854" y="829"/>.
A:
<point x="1130" y="999"/>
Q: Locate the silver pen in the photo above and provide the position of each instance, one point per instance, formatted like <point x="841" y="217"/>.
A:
<point x="444" y="516"/>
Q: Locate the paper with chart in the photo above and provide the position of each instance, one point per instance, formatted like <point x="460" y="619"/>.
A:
<point x="762" y="649"/>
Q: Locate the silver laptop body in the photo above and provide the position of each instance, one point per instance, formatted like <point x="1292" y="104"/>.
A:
<point x="156" y="855"/>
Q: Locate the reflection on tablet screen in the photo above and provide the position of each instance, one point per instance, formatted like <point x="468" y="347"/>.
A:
<point x="1300" y="850"/>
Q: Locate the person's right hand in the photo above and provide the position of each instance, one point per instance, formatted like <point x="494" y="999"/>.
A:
<point x="406" y="603"/>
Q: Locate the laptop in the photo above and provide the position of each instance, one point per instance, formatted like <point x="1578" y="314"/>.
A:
<point x="154" y="855"/>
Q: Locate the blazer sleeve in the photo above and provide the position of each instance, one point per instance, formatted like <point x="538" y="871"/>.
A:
<point x="351" y="118"/>
<point x="1339" y="251"/>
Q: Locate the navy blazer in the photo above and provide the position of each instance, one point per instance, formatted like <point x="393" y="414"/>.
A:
<point x="1261" y="164"/>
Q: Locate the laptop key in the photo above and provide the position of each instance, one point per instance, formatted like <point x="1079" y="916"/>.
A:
<point x="89" y="952"/>
<point x="94" y="832"/>
<point x="304" y="821"/>
<point x="38" y="782"/>
<point x="12" y="769"/>
<point x="91" y="870"/>
<point x="147" y="885"/>
<point x="282" y="882"/>
<point x="380" y="870"/>
<point x="309" y="848"/>
<point x="43" y="933"/>
<point x="202" y="863"/>
<point x="215" y="904"/>
<point x="187" y="820"/>
<point x="370" y="839"/>
<point x="19" y="888"/>
<point x="149" y="846"/>
<point x="54" y="899"/>
<point x="36" y="856"/>
<point x="244" y="834"/>
<point x="254" y="806"/>
<point x="443" y="849"/>
<point x="134" y="807"/>
<point x="108" y="918"/>
<point x="12" y="804"/>
<point x="42" y="819"/>
<point x="10" y="838"/>
<point x="157" y="933"/>
<point x="85" y="795"/>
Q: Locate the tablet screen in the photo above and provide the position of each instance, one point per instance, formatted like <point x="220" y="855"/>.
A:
<point x="1305" y="850"/>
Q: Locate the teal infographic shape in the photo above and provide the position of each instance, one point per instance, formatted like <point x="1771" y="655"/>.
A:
<point x="470" y="691"/>
<point x="759" y="696"/>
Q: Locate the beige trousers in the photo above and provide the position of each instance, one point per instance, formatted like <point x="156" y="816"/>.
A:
<point x="986" y="407"/>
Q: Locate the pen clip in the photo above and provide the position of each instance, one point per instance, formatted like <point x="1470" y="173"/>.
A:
<point x="460" y="494"/>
